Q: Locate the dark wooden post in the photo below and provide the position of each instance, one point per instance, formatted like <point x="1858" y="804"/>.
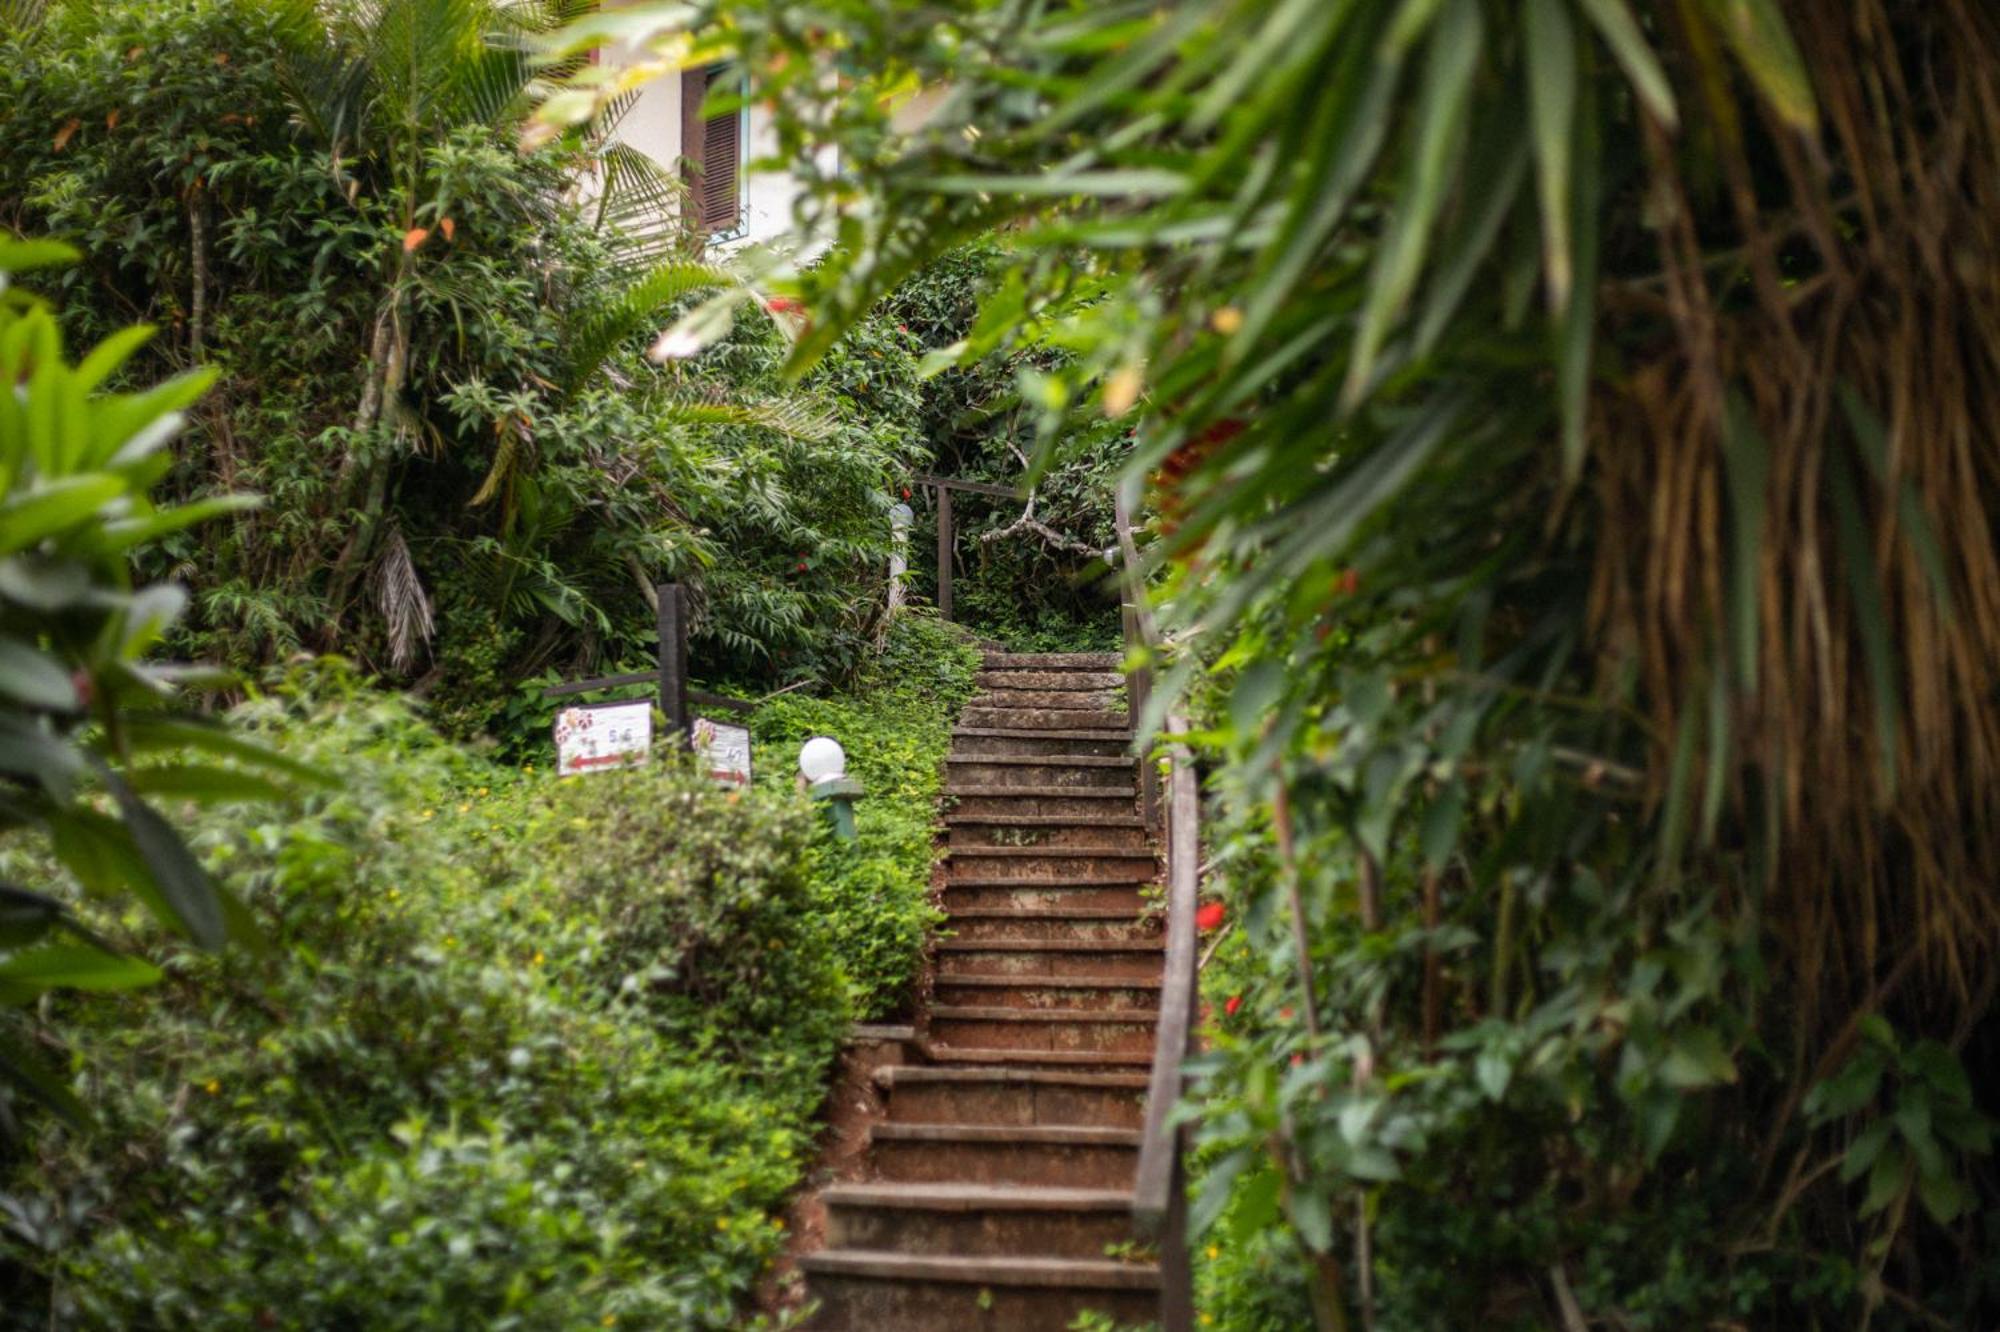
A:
<point x="1139" y="698"/>
<point x="944" y="551"/>
<point x="673" y="659"/>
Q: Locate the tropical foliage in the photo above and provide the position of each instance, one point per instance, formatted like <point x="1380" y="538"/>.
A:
<point x="521" y="1052"/>
<point x="429" y="352"/>
<point x="92" y="733"/>
<point x="1562" y="430"/>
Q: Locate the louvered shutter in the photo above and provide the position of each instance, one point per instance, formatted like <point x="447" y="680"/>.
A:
<point x="714" y="149"/>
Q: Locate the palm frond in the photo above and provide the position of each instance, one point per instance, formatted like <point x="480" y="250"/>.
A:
<point x="400" y="596"/>
<point x="598" y="330"/>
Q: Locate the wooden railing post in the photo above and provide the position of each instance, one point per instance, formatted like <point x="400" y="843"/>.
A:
<point x="1139" y="698"/>
<point x="944" y="551"/>
<point x="673" y="660"/>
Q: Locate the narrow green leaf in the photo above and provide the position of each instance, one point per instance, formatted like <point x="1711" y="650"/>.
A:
<point x="109" y="354"/>
<point x="1757" y="32"/>
<point x="1551" y="51"/>
<point x="21" y="256"/>
<point x="29" y="675"/>
<point x="153" y="734"/>
<point x="1440" y="122"/>
<point x="181" y="880"/>
<point x="1615" y="24"/>
<point x="52" y="507"/>
<point x="1121" y="182"/>
<point x="205" y="783"/>
<point x="74" y="966"/>
<point x="1747" y="460"/>
<point x="1578" y="327"/>
<point x="125" y="533"/>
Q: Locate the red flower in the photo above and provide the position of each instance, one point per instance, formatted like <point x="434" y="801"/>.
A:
<point x="784" y="305"/>
<point x="1298" y="1059"/>
<point x="1235" y="1002"/>
<point x="902" y="328"/>
<point x="1350" y="582"/>
<point x="1210" y="917"/>
<point x="906" y="492"/>
<point x="802" y="566"/>
<point x="1285" y="1013"/>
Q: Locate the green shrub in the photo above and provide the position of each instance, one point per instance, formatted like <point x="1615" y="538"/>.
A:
<point x="896" y="728"/>
<point x="526" y="1052"/>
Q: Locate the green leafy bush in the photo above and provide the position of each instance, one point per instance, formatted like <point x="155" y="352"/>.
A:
<point x="895" y="725"/>
<point x="525" y="1052"/>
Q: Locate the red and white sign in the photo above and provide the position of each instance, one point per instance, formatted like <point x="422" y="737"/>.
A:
<point x="591" y="736"/>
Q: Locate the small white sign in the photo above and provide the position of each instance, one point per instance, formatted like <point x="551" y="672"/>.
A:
<point x="602" y="735"/>
<point x="724" y="750"/>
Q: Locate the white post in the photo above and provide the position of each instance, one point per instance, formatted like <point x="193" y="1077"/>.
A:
<point x="900" y="518"/>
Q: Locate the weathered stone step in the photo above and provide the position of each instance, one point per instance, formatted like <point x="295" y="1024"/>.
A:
<point x="1089" y="1158"/>
<point x="1105" y="819"/>
<point x="978" y="718"/>
<point x="863" y="1290"/>
<point x="969" y="791"/>
<point x="1047" y="745"/>
<point x="1050" y="661"/>
<point x="975" y="832"/>
<point x="995" y="1028"/>
<point x="1074" y="802"/>
<point x="1050" y="864"/>
<point x="1100" y="1060"/>
<point x="934" y="1095"/>
<point x="1084" y="991"/>
<point x="1101" y="701"/>
<point x="1129" y="874"/>
<point x="1040" y="769"/>
<point x="1029" y="896"/>
<point x="977" y="1219"/>
<point x="1053" y="957"/>
<point x="1056" y="922"/>
<point x="1070" y="679"/>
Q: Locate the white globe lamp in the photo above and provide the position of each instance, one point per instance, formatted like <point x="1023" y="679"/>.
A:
<point x="822" y="759"/>
<point x="823" y="763"/>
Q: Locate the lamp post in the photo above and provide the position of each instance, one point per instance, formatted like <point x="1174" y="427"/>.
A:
<point x="823" y="764"/>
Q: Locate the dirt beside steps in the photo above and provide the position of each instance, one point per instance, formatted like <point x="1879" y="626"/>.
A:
<point x="997" y="1189"/>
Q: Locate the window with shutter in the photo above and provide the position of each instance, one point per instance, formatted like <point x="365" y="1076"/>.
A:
<point x="713" y="147"/>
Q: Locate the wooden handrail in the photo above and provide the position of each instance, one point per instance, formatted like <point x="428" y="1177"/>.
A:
<point x="1159" y="1187"/>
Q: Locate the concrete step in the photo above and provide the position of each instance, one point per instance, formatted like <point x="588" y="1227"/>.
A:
<point x="1050" y="661"/>
<point x="1052" y="864"/>
<point x="1110" y="702"/>
<point x="1070" y="679"/>
<point x="1099" y="1060"/>
<point x="1000" y="1028"/>
<point x="1067" y="921"/>
<point x="1052" y="957"/>
<point x="971" y="831"/>
<point x="866" y="1290"/>
<point x="1044" y="896"/>
<point x="1012" y="718"/>
<point x="930" y="1094"/>
<point x="1086" y="991"/>
<point x="977" y="1219"/>
<point x="1094" y="771"/>
<point x="1110" y="818"/>
<point x="1048" y="801"/>
<point x="1087" y="1158"/>
<point x="1101" y="741"/>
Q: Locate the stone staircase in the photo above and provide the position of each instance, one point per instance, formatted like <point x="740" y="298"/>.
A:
<point x="998" y="1188"/>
